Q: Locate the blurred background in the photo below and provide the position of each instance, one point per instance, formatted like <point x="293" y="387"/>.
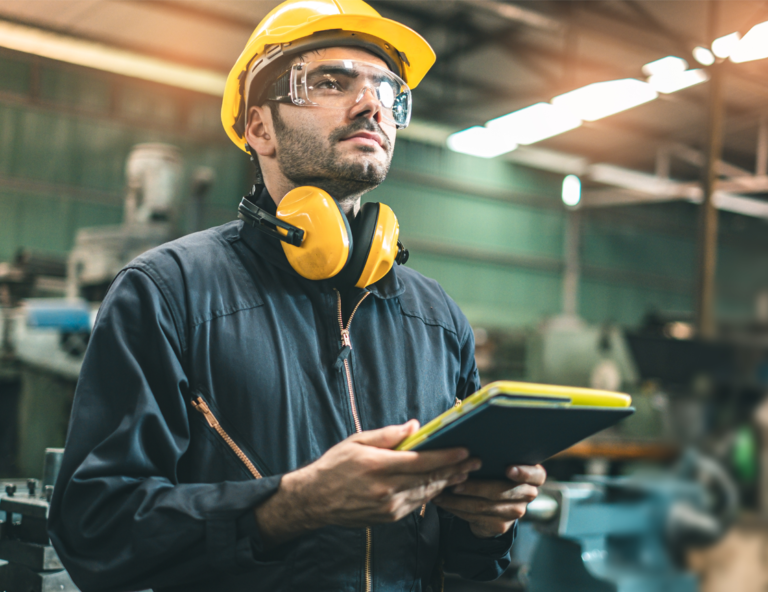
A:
<point x="587" y="179"/>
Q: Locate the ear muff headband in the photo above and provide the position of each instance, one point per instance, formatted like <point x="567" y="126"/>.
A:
<point x="327" y="243"/>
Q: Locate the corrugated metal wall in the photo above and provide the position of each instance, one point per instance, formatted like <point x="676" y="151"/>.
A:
<point x="489" y="231"/>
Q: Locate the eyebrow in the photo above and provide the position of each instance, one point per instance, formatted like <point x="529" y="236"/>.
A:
<point x="337" y="70"/>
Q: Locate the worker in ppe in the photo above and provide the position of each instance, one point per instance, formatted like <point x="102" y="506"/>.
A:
<point x="244" y="387"/>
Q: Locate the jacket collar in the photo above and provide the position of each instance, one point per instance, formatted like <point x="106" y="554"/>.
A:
<point x="390" y="286"/>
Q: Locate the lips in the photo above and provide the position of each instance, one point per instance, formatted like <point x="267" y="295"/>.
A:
<point x="370" y="136"/>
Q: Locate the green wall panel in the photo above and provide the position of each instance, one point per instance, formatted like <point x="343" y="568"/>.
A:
<point x="75" y="88"/>
<point x="15" y="76"/>
<point x="492" y="295"/>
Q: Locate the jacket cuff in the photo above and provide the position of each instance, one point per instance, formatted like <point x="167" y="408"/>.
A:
<point x="476" y="558"/>
<point x="250" y="545"/>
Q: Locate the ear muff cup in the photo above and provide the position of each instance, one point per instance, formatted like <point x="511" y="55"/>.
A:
<point x="328" y="242"/>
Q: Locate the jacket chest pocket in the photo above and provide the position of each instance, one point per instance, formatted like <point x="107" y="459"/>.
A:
<point x="217" y="428"/>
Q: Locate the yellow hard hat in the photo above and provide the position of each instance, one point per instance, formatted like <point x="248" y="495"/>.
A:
<point x="303" y="25"/>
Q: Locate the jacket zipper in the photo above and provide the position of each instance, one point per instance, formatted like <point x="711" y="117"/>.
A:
<point x="201" y="406"/>
<point x="347" y="343"/>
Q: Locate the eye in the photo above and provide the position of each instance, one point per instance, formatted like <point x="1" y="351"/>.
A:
<point x="328" y="84"/>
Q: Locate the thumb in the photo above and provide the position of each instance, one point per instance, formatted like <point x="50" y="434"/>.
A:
<point x="387" y="437"/>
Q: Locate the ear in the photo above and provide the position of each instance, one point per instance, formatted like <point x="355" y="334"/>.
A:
<point x="260" y="132"/>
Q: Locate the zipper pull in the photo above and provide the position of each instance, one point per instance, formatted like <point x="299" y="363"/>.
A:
<point x="346" y="349"/>
<point x="202" y="407"/>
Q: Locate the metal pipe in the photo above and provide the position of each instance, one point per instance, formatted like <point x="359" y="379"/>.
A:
<point x="707" y="247"/>
<point x="761" y="164"/>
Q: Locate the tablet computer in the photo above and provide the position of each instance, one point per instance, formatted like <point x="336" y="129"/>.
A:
<point x="516" y="423"/>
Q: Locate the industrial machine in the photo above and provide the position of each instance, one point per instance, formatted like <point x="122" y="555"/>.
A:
<point x="153" y="174"/>
<point x="626" y="534"/>
<point x="28" y="562"/>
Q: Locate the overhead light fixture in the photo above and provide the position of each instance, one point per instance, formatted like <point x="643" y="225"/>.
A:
<point x="703" y="56"/>
<point x="480" y="141"/>
<point x="571" y="193"/>
<point x="602" y="99"/>
<point x="724" y="46"/>
<point x="665" y="66"/>
<point x="109" y="59"/>
<point x="534" y="123"/>
<point x="669" y="83"/>
<point x="754" y="45"/>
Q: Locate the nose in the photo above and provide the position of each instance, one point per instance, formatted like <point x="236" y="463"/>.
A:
<point x="366" y="105"/>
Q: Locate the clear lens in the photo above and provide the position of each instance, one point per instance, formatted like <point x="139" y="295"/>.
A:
<point x="340" y="84"/>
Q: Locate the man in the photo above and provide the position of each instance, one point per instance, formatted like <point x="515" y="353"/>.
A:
<point x="234" y="421"/>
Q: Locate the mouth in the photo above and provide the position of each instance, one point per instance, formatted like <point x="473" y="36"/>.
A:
<point x="365" y="139"/>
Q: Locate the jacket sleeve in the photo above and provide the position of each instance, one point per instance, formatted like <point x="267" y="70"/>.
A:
<point x="463" y="553"/>
<point x="119" y="518"/>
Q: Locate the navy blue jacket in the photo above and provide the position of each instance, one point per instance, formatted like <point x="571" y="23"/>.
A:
<point x="151" y="495"/>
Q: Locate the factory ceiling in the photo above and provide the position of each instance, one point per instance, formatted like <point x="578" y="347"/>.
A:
<point x="492" y="58"/>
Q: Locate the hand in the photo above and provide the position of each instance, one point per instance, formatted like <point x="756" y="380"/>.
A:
<point x="491" y="507"/>
<point x="359" y="482"/>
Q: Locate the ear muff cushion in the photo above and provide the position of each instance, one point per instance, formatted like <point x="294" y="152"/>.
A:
<point x="363" y="231"/>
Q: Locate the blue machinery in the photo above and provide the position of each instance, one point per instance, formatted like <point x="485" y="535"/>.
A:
<point x="625" y="534"/>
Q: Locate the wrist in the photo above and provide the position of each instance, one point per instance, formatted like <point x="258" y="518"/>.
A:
<point x="297" y="488"/>
<point x="287" y="514"/>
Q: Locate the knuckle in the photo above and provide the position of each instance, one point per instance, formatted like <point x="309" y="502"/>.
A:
<point x="382" y="493"/>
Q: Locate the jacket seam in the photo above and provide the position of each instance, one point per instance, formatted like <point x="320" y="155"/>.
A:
<point x="162" y="287"/>
<point x="225" y="313"/>
<point x="428" y="320"/>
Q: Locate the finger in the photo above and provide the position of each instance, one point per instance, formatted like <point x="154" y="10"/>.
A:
<point x="428" y="485"/>
<point x="535" y="475"/>
<point x="409" y="462"/>
<point x="387" y="437"/>
<point x="493" y="526"/>
<point x="497" y="490"/>
<point x="480" y="507"/>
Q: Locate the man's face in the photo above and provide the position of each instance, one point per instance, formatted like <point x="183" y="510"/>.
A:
<point x="343" y="151"/>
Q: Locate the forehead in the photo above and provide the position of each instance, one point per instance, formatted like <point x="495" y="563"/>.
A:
<point x="345" y="53"/>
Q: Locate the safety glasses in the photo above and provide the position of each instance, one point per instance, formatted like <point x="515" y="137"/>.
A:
<point x="340" y="84"/>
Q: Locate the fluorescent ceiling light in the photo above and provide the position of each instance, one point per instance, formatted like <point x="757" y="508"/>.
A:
<point x="534" y="123"/>
<point x="571" y="194"/>
<point x="480" y="141"/>
<point x="665" y="66"/>
<point x="106" y="58"/>
<point x="754" y="45"/>
<point x="602" y="99"/>
<point x="669" y="83"/>
<point x="703" y="56"/>
<point x="724" y="46"/>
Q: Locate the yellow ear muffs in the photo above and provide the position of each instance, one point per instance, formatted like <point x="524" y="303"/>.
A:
<point x="375" y="245"/>
<point x="327" y="244"/>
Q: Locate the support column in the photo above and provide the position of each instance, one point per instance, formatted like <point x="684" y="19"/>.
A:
<point x="707" y="243"/>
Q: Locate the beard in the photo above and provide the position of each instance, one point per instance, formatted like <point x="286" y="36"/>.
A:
<point x="307" y="159"/>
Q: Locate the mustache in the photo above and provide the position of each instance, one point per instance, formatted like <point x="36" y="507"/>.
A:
<point x="361" y="125"/>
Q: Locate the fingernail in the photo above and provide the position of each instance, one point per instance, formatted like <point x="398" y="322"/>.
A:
<point x="458" y="489"/>
<point x="475" y="465"/>
<point x="513" y="473"/>
<point x="463" y="454"/>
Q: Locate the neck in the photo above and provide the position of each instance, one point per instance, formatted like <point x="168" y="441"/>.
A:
<point x="278" y="188"/>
